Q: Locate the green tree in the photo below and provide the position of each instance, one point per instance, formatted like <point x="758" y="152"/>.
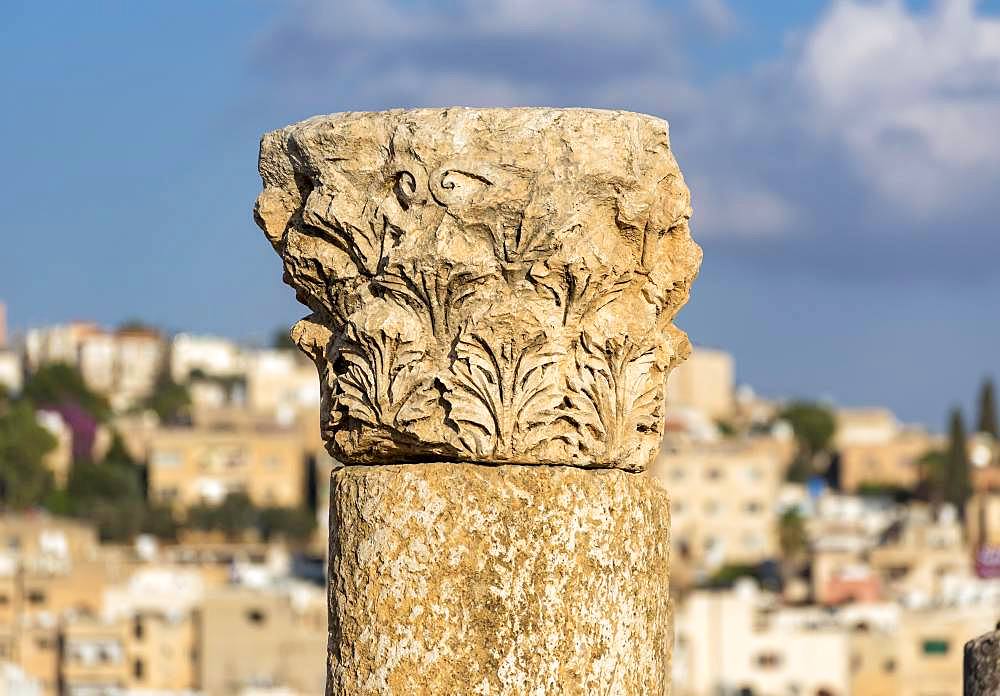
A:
<point x="159" y="521"/>
<point x="118" y="452"/>
<point x="234" y="516"/>
<point x="108" y="493"/>
<point x="727" y="575"/>
<point x="170" y="400"/>
<point x="57" y="384"/>
<point x="933" y="468"/>
<point x="957" y="478"/>
<point x="292" y="524"/>
<point x="814" y="427"/>
<point x="116" y="520"/>
<point x="25" y="481"/>
<point x="134" y="324"/>
<point x="90" y="482"/>
<point x="792" y="535"/>
<point x="988" y="410"/>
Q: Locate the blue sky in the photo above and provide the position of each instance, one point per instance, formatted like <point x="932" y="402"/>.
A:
<point x="844" y="160"/>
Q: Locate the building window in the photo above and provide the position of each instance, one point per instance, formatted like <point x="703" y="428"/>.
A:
<point x="138" y="669"/>
<point x="4" y="600"/>
<point x="714" y="474"/>
<point x="165" y="459"/>
<point x="678" y="507"/>
<point x="36" y="597"/>
<point x="138" y="630"/>
<point x="753" y="507"/>
<point x="256" y="616"/>
<point x="935" y="646"/>
<point x="677" y="474"/>
<point x="768" y="660"/>
<point x="889" y="666"/>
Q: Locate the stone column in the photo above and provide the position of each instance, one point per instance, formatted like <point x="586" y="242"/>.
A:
<point x="982" y="665"/>
<point x="492" y="295"/>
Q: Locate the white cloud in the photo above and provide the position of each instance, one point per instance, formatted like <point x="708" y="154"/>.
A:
<point x="717" y="16"/>
<point x="913" y="98"/>
<point x="740" y="212"/>
<point x="876" y="120"/>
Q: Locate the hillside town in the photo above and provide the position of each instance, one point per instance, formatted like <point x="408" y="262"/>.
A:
<point x="163" y="516"/>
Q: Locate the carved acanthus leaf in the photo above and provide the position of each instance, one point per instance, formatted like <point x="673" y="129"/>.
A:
<point x="433" y="295"/>
<point x="384" y="380"/>
<point x="611" y="396"/>
<point x="580" y="289"/>
<point x="502" y="390"/>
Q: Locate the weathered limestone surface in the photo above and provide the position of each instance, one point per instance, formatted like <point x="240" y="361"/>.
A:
<point x="982" y="665"/>
<point x="487" y="285"/>
<point x="466" y="579"/>
<point x="492" y="294"/>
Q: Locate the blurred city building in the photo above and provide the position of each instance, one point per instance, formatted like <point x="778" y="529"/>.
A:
<point x="79" y="617"/>
<point x="875" y="450"/>
<point x="704" y="383"/>
<point x="264" y="638"/>
<point x="840" y="582"/>
<point x="11" y="369"/>
<point x="123" y="364"/>
<point x="723" y="497"/>
<point x="746" y="641"/>
<point x="202" y="465"/>
<point x="209" y="355"/>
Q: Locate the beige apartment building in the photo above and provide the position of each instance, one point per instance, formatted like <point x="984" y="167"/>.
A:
<point x="149" y="651"/>
<point x="982" y="520"/>
<point x="80" y="619"/>
<point x="875" y="449"/>
<point x="58" y="344"/>
<point x="263" y="638"/>
<point x="744" y="641"/>
<point x="927" y="551"/>
<point x="211" y="355"/>
<point x="49" y="568"/>
<point x="930" y="646"/>
<point x="281" y="383"/>
<point x="123" y="365"/>
<point x="201" y="465"/>
<point x="34" y="648"/>
<point x="895" y="462"/>
<point x="722" y="499"/>
<point x="704" y="383"/>
<point x="11" y="371"/>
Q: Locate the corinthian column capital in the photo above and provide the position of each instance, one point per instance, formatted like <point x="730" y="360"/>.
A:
<point x="486" y="285"/>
